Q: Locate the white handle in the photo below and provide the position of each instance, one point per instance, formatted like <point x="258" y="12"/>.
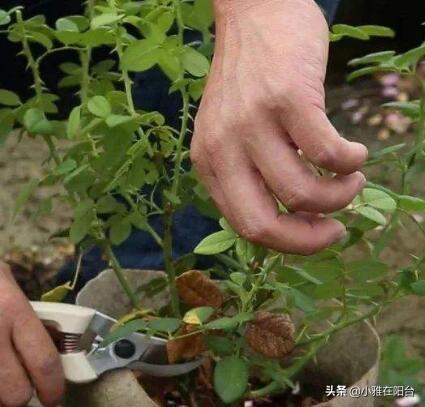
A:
<point x="67" y="318"/>
<point x="71" y="319"/>
<point x="77" y="368"/>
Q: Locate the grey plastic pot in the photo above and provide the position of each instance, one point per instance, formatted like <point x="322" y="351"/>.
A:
<point x="349" y="359"/>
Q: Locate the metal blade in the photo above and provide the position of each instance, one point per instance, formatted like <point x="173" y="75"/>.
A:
<point x="165" y="370"/>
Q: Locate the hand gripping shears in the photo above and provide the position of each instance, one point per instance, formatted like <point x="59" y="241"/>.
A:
<point x="71" y="325"/>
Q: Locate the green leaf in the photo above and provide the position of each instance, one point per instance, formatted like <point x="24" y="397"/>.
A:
<point x="41" y="38"/>
<point x="410" y="109"/>
<point x="64" y="24"/>
<point x="115" y="120"/>
<point x="349" y="31"/>
<point x="302" y="301"/>
<point x="35" y="122"/>
<point x="419" y="287"/>
<point x="245" y="250"/>
<point x="99" y="106"/>
<point x="80" y="227"/>
<point x="68" y="37"/>
<point x="196" y="89"/>
<point x="229" y="323"/>
<point x="306" y="276"/>
<point x="195" y="63"/>
<point x="197" y="316"/>
<point x="120" y="231"/>
<point x="81" y="21"/>
<point x="168" y="325"/>
<point x="105" y="19"/>
<point x="106" y="204"/>
<point x="7" y="121"/>
<point x="219" y="344"/>
<point x="238" y="278"/>
<point x="378" y="199"/>
<point x="216" y="243"/>
<point x="141" y="55"/>
<point x="9" y="98"/>
<point x="411" y="58"/>
<point x="124" y="331"/>
<point x="203" y="11"/>
<point x="411" y="203"/>
<point x="376" y="57"/>
<point x="25" y="194"/>
<point x="363" y="72"/>
<point x="222" y="323"/>
<point x="372" y="214"/>
<point x="365" y="270"/>
<point x="4" y="17"/>
<point x="173" y="198"/>
<point x="231" y="379"/>
<point x="74" y="123"/>
<point x="57" y="294"/>
<point x="377" y="30"/>
<point x="388" y="150"/>
<point x="65" y="167"/>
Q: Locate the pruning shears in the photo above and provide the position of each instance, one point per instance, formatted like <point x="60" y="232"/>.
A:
<point x="71" y="325"/>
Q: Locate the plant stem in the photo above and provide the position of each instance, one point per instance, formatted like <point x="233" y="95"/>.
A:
<point x="168" y="259"/>
<point x="85" y="57"/>
<point x="38" y="82"/>
<point x="344" y="324"/>
<point x="180" y="142"/>
<point x="119" y="272"/>
<point x="275" y="386"/>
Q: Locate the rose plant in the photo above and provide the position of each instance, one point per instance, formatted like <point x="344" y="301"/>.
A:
<point x="117" y="166"/>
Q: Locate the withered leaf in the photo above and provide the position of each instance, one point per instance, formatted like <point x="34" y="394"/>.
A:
<point x="197" y="290"/>
<point x="272" y="335"/>
<point x="186" y="348"/>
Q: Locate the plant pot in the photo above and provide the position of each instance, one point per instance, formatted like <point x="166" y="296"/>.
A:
<point x="349" y="359"/>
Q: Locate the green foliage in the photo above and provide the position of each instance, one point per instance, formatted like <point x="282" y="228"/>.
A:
<point x="230" y="378"/>
<point x="119" y="166"/>
<point x="397" y="368"/>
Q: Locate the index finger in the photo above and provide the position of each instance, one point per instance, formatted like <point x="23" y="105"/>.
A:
<point x="252" y="211"/>
<point x="317" y="138"/>
<point x="39" y="356"/>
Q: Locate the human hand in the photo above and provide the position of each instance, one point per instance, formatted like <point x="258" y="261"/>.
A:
<point x="265" y="99"/>
<point x="28" y="356"/>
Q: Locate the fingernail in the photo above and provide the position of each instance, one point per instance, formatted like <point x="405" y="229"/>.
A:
<point x="362" y="181"/>
<point x="342" y="233"/>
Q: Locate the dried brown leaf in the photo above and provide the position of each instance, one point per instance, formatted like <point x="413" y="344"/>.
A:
<point x="197" y="290"/>
<point x="186" y="348"/>
<point x="272" y="335"/>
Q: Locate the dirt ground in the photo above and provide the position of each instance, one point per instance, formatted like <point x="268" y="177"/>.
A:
<point x="355" y="112"/>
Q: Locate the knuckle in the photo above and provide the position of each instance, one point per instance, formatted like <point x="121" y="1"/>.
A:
<point x="254" y="233"/>
<point x="297" y="197"/>
<point x="323" y="156"/>
<point x="213" y="145"/>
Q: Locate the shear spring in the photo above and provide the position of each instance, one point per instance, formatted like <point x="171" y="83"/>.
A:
<point x="69" y="343"/>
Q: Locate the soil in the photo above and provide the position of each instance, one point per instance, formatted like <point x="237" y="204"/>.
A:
<point x="354" y="110"/>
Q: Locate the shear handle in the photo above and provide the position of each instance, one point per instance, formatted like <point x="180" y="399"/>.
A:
<point x="72" y="321"/>
<point x="66" y="318"/>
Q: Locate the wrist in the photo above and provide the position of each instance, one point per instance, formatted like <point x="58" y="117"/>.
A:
<point x="225" y="8"/>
